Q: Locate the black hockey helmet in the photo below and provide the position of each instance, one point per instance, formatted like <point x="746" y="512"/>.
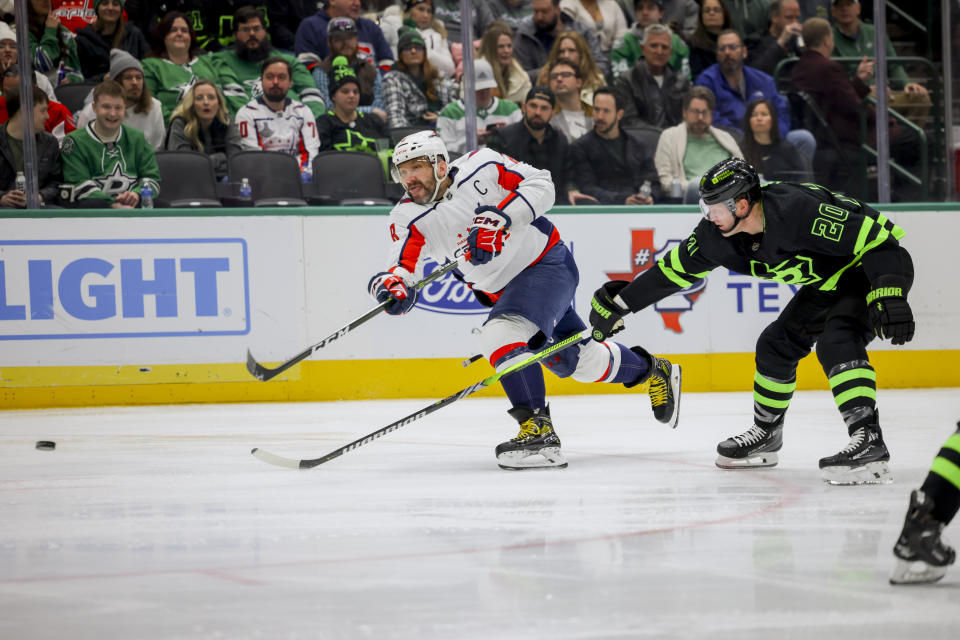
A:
<point x="728" y="180"/>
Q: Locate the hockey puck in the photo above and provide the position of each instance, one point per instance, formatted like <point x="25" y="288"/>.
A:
<point x="47" y="445"/>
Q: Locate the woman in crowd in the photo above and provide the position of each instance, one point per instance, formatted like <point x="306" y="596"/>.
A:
<point x="418" y="14"/>
<point x="773" y="157"/>
<point x="202" y="123"/>
<point x="714" y="18"/>
<point x="95" y="41"/>
<point x="572" y="46"/>
<point x="603" y="16"/>
<point x="49" y="173"/>
<point x="413" y="91"/>
<point x="53" y="47"/>
<point x="174" y="62"/>
<point x="496" y="47"/>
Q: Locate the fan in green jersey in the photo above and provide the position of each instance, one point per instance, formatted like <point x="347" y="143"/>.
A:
<point x="107" y="160"/>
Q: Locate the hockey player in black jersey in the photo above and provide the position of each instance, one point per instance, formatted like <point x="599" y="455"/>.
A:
<point x="854" y="278"/>
<point x="922" y="555"/>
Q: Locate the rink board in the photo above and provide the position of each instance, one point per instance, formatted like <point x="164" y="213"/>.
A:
<point x="139" y="309"/>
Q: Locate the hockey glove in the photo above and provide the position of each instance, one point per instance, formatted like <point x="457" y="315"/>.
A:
<point x="387" y="286"/>
<point x="486" y="235"/>
<point x="890" y="314"/>
<point x="606" y="315"/>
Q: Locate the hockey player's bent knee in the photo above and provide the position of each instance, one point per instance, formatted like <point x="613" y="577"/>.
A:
<point x="594" y="360"/>
<point x="505" y="337"/>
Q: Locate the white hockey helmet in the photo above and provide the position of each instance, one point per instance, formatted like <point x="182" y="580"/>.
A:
<point x="416" y="145"/>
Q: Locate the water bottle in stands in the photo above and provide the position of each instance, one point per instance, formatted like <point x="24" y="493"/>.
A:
<point x="61" y="74"/>
<point x="21" y="182"/>
<point x="305" y="175"/>
<point x="146" y="197"/>
<point x="646" y="190"/>
<point x="245" y="190"/>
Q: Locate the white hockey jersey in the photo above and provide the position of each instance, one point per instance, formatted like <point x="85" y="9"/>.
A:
<point x="439" y="230"/>
<point x="292" y="130"/>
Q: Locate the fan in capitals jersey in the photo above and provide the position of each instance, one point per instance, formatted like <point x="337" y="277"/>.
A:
<point x="291" y="130"/>
<point x="486" y="210"/>
<point x="853" y="276"/>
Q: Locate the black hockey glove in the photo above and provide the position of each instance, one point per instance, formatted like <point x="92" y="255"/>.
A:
<point x="890" y="314"/>
<point x="606" y="315"/>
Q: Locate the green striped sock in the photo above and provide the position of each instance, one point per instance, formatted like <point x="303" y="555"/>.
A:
<point x="854" y="387"/>
<point x="943" y="481"/>
<point x="771" y="397"/>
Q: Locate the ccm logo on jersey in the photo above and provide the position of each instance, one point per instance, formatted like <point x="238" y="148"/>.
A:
<point x="114" y="288"/>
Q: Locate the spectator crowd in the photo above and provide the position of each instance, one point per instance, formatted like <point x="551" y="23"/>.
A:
<point x="624" y="101"/>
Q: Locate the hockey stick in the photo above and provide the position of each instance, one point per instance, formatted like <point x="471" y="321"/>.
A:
<point x="290" y="463"/>
<point x="469" y="361"/>
<point x="263" y="374"/>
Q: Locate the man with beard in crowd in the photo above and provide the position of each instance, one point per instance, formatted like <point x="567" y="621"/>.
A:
<point x="238" y="67"/>
<point x="534" y="141"/>
<point x="275" y="122"/>
<point x="610" y="164"/>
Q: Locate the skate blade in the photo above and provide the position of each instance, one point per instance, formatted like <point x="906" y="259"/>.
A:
<point x="675" y="376"/>
<point x="870" y="473"/>
<point x="755" y="461"/>
<point x="545" y="458"/>
<point x="915" y="572"/>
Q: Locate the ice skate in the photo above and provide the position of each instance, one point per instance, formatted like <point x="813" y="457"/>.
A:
<point x="663" y="387"/>
<point x="664" y="391"/>
<point x="756" y="447"/>
<point x="922" y="556"/>
<point x="862" y="461"/>
<point x="536" y="446"/>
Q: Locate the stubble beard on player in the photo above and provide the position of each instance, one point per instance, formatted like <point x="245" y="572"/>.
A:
<point x="424" y="195"/>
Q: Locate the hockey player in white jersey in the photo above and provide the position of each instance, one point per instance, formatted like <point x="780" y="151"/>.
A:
<point x="486" y="210"/>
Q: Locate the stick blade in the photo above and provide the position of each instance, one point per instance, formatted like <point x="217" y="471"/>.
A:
<point x="272" y="458"/>
<point x="259" y="371"/>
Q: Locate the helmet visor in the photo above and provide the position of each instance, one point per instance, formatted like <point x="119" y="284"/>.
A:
<point x="715" y="211"/>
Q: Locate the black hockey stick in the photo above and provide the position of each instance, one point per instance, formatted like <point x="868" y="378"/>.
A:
<point x="263" y="374"/>
<point x="290" y="463"/>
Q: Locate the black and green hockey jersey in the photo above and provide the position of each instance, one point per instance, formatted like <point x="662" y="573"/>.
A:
<point x="812" y="237"/>
<point x="104" y="170"/>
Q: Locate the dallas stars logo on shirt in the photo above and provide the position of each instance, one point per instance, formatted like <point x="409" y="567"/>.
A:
<point x="116" y="182"/>
<point x="105" y="169"/>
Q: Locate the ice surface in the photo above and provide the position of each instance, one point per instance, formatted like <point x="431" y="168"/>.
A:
<point x="156" y="522"/>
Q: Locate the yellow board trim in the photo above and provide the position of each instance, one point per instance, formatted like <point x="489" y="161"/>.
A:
<point x="325" y="380"/>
